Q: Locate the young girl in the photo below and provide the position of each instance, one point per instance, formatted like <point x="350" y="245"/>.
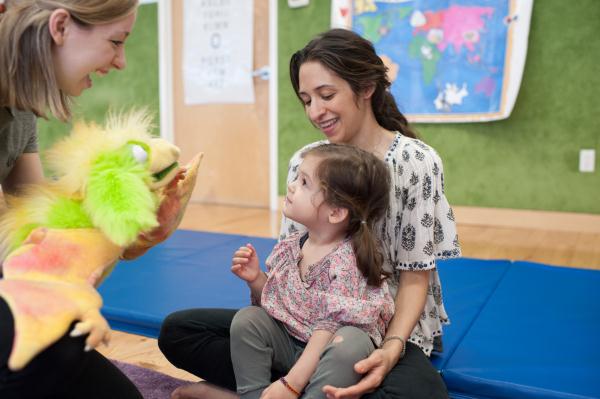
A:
<point x="324" y="287"/>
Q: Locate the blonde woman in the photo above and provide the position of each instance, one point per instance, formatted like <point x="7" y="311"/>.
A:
<point x="48" y="50"/>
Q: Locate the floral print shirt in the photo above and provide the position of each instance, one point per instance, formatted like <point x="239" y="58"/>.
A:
<point x="333" y="294"/>
<point x="418" y="229"/>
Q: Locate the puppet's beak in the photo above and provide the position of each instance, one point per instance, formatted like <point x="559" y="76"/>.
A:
<point x="163" y="162"/>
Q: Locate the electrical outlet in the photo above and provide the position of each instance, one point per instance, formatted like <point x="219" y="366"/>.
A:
<point x="587" y="160"/>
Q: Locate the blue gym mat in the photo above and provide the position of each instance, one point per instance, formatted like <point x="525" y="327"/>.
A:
<point x="536" y="337"/>
<point x="519" y="330"/>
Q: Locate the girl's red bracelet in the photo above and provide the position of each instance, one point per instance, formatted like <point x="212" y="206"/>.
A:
<point x="288" y="386"/>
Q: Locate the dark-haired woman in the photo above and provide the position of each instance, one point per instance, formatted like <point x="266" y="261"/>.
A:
<point x="343" y="87"/>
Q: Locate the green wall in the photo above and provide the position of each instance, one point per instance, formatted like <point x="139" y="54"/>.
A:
<point x="135" y="86"/>
<point x="528" y="161"/>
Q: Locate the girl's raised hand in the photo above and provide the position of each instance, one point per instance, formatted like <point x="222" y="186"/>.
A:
<point x="245" y="263"/>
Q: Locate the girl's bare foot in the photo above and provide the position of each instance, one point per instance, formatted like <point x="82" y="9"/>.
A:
<point x="202" y="390"/>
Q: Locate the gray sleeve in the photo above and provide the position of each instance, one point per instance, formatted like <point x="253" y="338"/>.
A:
<point x="30" y="130"/>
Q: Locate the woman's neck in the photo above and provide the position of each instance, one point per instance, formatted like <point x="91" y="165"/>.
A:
<point x="373" y="137"/>
<point x="377" y="142"/>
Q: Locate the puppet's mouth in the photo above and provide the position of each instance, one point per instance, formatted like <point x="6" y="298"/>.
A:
<point x="158" y="176"/>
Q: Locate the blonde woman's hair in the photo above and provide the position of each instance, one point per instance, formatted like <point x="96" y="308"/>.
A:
<point x="28" y="80"/>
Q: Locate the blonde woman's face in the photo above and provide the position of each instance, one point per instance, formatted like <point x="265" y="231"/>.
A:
<point x="81" y="51"/>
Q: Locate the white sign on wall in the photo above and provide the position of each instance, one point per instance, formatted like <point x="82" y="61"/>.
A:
<point x="218" y="51"/>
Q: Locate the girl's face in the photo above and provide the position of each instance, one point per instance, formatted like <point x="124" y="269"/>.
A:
<point x="79" y="51"/>
<point x="330" y="103"/>
<point x="304" y="195"/>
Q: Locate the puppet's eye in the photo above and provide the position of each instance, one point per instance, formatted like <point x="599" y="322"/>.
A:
<point x="139" y="153"/>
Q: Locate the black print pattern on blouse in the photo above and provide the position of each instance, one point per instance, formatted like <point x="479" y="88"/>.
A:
<point x="443" y="188"/>
<point x="419" y="155"/>
<point x="408" y="237"/>
<point x="398" y="192"/>
<point x="436" y="169"/>
<point x="433" y="313"/>
<point x="450" y="214"/>
<point x="437" y="294"/>
<point x="421" y="145"/>
<point x="438" y="231"/>
<point x="404" y="195"/>
<point x="428" y="249"/>
<point x="412" y="203"/>
<point x="448" y="253"/>
<point x="427" y="187"/>
<point x="427" y="220"/>
<point x="405" y="155"/>
<point x="414" y="179"/>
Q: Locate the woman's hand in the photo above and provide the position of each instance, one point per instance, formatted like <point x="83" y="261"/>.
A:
<point x="245" y="264"/>
<point x="277" y="391"/>
<point x="374" y="368"/>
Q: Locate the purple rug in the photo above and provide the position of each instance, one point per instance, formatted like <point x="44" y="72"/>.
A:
<point x="152" y="384"/>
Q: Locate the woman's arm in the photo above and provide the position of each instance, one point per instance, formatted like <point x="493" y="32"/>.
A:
<point x="410" y="302"/>
<point x="27" y="170"/>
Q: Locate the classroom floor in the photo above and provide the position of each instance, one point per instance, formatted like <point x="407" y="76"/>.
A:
<point x="546" y="244"/>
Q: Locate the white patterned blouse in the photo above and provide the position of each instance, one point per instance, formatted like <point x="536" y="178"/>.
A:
<point x="418" y="229"/>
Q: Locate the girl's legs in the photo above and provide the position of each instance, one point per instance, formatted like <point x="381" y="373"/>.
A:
<point x="336" y="365"/>
<point x="63" y="370"/>
<point x="413" y="377"/>
<point x="197" y="340"/>
<point x="258" y="342"/>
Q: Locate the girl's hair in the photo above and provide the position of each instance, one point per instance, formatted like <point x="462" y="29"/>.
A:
<point x="28" y="80"/>
<point x="357" y="180"/>
<point x="353" y="59"/>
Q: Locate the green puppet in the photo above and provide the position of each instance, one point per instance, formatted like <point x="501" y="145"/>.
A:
<point x="116" y="192"/>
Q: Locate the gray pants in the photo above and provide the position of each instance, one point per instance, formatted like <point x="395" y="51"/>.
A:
<point x="260" y="343"/>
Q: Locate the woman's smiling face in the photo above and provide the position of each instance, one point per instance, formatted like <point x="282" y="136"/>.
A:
<point x="330" y="103"/>
<point x="79" y="51"/>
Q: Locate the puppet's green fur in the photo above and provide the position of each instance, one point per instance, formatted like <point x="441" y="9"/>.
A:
<point x="117" y="196"/>
<point x="67" y="213"/>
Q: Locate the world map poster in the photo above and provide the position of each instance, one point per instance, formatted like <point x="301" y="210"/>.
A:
<point x="448" y="60"/>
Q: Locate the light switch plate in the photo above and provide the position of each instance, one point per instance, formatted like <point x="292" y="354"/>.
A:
<point x="587" y="160"/>
<point x="298" y="3"/>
